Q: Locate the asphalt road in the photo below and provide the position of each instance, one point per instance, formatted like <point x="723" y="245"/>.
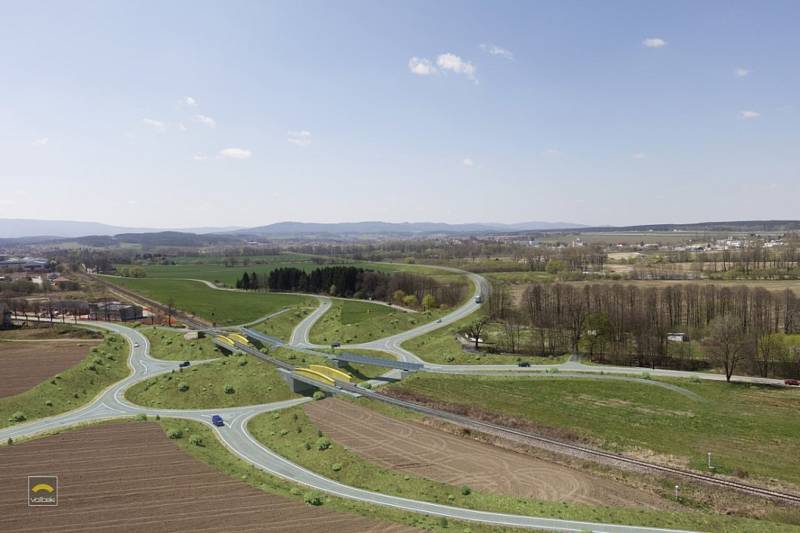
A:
<point x="234" y="435"/>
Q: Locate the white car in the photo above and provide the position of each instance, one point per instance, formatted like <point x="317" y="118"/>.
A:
<point x="135" y="344"/>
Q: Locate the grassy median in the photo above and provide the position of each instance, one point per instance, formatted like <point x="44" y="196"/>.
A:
<point x="230" y="382"/>
<point x="172" y="346"/>
<point x="282" y="325"/>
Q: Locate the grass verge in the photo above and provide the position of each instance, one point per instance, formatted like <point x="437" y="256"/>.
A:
<point x="751" y="431"/>
<point x="106" y="363"/>
<point x="292" y="435"/>
<point x="214" y="454"/>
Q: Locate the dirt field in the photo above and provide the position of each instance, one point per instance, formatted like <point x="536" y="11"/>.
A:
<point x="130" y="477"/>
<point x="423" y="451"/>
<point x="25" y="364"/>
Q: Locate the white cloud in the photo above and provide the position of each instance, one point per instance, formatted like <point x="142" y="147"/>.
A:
<point x="41" y="142"/>
<point x="741" y="72"/>
<point x="553" y="152"/>
<point x="199" y="157"/>
<point x="208" y="121"/>
<point x="155" y="124"/>
<point x="300" y="138"/>
<point x="749" y="115"/>
<point x="131" y="202"/>
<point x="654" y="42"/>
<point x="639" y="155"/>
<point x="181" y="126"/>
<point x="468" y="162"/>
<point x="236" y="153"/>
<point x="421" y="66"/>
<point x="494" y="50"/>
<point x="189" y="101"/>
<point x="454" y="63"/>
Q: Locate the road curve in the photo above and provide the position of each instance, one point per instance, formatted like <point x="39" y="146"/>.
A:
<point x="111" y="403"/>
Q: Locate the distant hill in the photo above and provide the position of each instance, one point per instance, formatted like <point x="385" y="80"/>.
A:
<point x="735" y="226"/>
<point x="23" y="227"/>
<point x="389" y="228"/>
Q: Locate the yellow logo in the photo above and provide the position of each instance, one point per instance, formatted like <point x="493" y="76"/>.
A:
<point x="42" y="491"/>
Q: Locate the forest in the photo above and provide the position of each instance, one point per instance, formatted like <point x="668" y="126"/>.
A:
<point x="650" y="326"/>
<point x="351" y="282"/>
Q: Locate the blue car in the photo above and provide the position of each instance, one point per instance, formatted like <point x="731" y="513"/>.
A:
<point x="217" y="421"/>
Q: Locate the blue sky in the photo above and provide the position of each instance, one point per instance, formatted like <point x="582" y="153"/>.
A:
<point x="179" y="114"/>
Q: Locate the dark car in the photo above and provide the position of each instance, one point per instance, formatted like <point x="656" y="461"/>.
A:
<point x="184" y="364"/>
<point x="523" y="364"/>
<point x="335" y="344"/>
<point x="217" y="421"/>
<point x="793" y="382"/>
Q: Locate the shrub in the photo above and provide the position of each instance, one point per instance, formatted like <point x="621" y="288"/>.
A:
<point x="10" y="441"/>
<point x="197" y="440"/>
<point x="229" y="389"/>
<point x="19" y="416"/>
<point x="142" y="417"/>
<point x="319" y="395"/>
<point x="323" y="443"/>
<point x="92" y="367"/>
<point x="307" y="446"/>
<point x="48" y="403"/>
<point x="645" y="375"/>
<point x="284" y="432"/>
<point x="336" y="467"/>
<point x="175" y="434"/>
<point x="466" y="491"/>
<point x="312" y="498"/>
<point x="183" y="387"/>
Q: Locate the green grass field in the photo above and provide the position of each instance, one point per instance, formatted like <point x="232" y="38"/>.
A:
<point x="214" y="270"/>
<point x="230" y="382"/>
<point x="106" y="363"/>
<point x="440" y="346"/>
<point x="351" y="322"/>
<point x="292" y="435"/>
<point x="222" y="307"/>
<point x="751" y="431"/>
<point x="170" y="345"/>
<point x="281" y="326"/>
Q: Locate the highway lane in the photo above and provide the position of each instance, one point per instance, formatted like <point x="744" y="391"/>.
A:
<point x="300" y="334"/>
<point x="234" y="435"/>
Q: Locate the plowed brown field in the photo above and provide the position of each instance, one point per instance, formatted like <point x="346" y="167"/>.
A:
<point x="128" y="476"/>
<point x="427" y="452"/>
<point x="25" y="364"/>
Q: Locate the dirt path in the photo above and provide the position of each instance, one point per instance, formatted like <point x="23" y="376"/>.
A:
<point x="423" y="451"/>
<point x="130" y="477"/>
<point x="26" y="364"/>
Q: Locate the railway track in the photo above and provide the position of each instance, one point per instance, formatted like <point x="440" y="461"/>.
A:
<point x="592" y="452"/>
